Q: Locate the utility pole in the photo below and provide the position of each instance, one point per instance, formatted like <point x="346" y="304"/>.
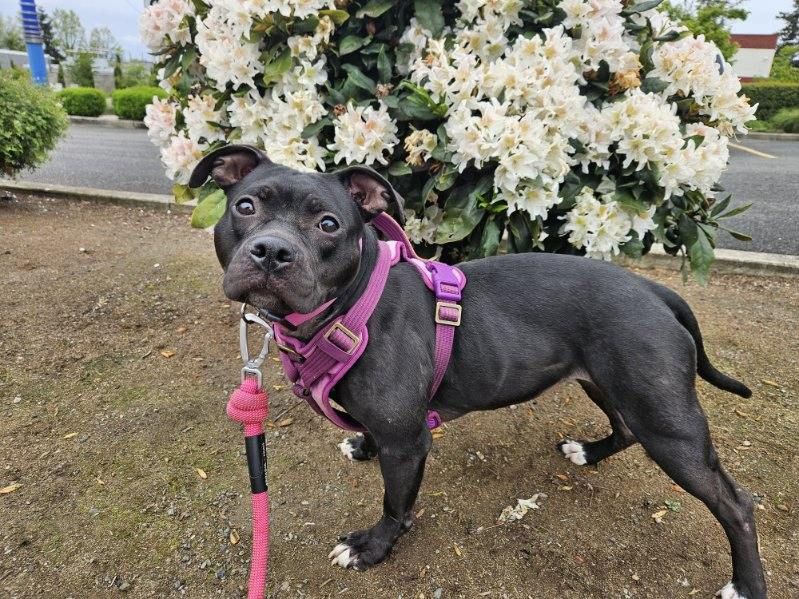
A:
<point x="33" y="41"/>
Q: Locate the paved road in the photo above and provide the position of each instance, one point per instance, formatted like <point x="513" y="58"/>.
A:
<point x="124" y="159"/>
<point x="105" y="158"/>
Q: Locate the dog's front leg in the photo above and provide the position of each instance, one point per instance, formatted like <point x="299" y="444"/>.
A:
<point x="402" y="461"/>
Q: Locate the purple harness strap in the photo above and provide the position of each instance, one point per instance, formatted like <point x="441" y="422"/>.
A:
<point x="316" y="366"/>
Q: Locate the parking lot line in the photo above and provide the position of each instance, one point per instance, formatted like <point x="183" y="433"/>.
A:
<point x="751" y="151"/>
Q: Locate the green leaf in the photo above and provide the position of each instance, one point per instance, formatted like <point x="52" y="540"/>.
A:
<point x="627" y="199"/>
<point x="399" y="169"/>
<point x="171" y="67"/>
<point x="491" y="237"/>
<point x="447" y="178"/>
<point x="462" y="212"/>
<point x="653" y="85"/>
<point x="738" y="235"/>
<point x="275" y="69"/>
<point x="700" y="253"/>
<point x="313" y="129"/>
<point x="736" y="211"/>
<point x="634" y="248"/>
<point x="337" y="16"/>
<point x="209" y="211"/>
<point x="520" y="235"/>
<point x="429" y="15"/>
<point x="182" y="193"/>
<point x="384" y="65"/>
<point x="307" y="25"/>
<point x="641" y="7"/>
<point x="375" y="8"/>
<point x="351" y="43"/>
<point x="721" y="206"/>
<point x="358" y="78"/>
<point x="688" y="230"/>
<point x="670" y="36"/>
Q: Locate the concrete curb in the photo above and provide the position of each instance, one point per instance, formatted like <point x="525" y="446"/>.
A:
<point x="111" y="122"/>
<point x="122" y="198"/>
<point x="727" y="261"/>
<point x="763" y="136"/>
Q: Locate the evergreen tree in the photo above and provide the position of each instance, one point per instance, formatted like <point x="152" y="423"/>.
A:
<point x="50" y="47"/>
<point x="789" y="35"/>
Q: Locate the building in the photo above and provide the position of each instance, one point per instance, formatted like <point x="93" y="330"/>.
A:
<point x="754" y="56"/>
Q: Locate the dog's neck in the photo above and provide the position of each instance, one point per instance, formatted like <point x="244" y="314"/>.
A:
<point x="346" y="296"/>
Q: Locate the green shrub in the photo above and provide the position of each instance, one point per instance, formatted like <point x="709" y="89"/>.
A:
<point x="31" y="122"/>
<point x="83" y="101"/>
<point x="772" y="96"/>
<point x="130" y="103"/>
<point x="787" y="119"/>
<point x="781" y="68"/>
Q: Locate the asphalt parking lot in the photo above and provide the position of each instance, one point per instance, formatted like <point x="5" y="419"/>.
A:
<point x="125" y="160"/>
<point x="772" y="186"/>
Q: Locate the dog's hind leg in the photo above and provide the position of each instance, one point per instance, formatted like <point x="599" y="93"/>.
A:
<point x="674" y="432"/>
<point x="359" y="448"/>
<point x="593" y="452"/>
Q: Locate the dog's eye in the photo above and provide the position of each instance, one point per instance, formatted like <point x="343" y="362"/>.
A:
<point x="328" y="224"/>
<point x="245" y="207"/>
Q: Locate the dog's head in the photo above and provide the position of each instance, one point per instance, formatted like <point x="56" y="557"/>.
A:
<point x="289" y="240"/>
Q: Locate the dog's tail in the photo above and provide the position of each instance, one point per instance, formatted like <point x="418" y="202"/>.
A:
<point x="706" y="370"/>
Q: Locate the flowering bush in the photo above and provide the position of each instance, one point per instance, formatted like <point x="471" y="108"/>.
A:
<point x="580" y="126"/>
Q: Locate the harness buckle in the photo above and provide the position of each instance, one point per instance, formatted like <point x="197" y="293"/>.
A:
<point x="356" y="340"/>
<point x="446" y="285"/>
<point x="451" y="320"/>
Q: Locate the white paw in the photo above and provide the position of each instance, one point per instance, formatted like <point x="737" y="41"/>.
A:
<point x="573" y="450"/>
<point x="342" y="556"/>
<point x="348" y="448"/>
<point x="728" y="592"/>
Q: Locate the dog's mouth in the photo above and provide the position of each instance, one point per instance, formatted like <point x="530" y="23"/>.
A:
<point x="278" y="295"/>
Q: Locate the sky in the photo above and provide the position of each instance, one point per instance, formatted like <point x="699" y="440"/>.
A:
<point x="122" y="17"/>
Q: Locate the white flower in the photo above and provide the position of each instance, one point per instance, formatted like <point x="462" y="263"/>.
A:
<point x="598" y="226"/>
<point x="419" y="144"/>
<point x="364" y="135"/>
<point x="160" y="121"/>
<point x="423" y="229"/>
<point x="180" y="157"/>
<point x="200" y="115"/>
<point x="161" y="22"/>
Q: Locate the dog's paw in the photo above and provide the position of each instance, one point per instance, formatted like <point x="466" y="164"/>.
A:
<point x="728" y="591"/>
<point x="573" y="450"/>
<point x="359" y="550"/>
<point x="356" y="449"/>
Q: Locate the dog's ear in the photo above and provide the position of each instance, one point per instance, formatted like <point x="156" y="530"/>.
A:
<point x="227" y="165"/>
<point x="371" y="192"/>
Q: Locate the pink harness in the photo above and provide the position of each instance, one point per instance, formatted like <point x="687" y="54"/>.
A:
<point x="314" y="367"/>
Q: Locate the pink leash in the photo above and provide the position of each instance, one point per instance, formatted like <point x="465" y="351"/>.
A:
<point x="249" y="404"/>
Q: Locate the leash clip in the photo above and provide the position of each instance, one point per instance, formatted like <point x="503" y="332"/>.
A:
<point x="252" y="366"/>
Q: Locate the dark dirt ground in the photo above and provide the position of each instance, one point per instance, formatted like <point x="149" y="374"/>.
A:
<point x="104" y="434"/>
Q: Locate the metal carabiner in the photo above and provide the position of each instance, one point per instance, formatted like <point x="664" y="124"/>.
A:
<point x="252" y="366"/>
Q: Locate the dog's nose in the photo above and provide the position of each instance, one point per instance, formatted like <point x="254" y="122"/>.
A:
<point x="271" y="253"/>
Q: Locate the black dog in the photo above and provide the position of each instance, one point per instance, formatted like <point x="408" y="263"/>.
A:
<point x="289" y="241"/>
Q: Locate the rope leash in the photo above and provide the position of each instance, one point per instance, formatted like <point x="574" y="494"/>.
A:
<point x="249" y="405"/>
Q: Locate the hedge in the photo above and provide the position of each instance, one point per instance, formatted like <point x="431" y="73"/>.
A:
<point x="772" y="96"/>
<point x="787" y="120"/>
<point x="31" y="122"/>
<point x="131" y="102"/>
<point x="83" y="101"/>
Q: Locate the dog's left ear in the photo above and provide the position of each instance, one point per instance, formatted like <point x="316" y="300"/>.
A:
<point x="227" y="165"/>
<point x="371" y="192"/>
